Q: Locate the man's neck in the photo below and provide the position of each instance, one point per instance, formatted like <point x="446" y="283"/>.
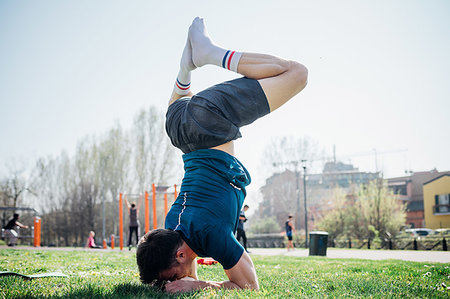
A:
<point x="193" y="269"/>
<point x="226" y="147"/>
<point x="191" y="264"/>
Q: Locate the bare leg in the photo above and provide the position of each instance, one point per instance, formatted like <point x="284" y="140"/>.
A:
<point x="280" y="79"/>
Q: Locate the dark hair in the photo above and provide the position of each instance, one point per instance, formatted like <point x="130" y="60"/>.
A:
<point x="133" y="205"/>
<point x="246" y="206"/>
<point x="156" y="252"/>
<point x="16" y="216"/>
<point x="290" y="216"/>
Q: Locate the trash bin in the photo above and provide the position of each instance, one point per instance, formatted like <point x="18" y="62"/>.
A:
<point x="318" y="243"/>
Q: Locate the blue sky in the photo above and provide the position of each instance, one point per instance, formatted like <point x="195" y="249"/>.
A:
<point x="379" y="73"/>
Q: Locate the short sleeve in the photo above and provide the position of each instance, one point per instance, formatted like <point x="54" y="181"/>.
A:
<point x="222" y="246"/>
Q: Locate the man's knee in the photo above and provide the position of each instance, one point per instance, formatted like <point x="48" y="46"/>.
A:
<point x="299" y="72"/>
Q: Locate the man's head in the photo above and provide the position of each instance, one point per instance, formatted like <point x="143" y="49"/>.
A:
<point x="289" y="217"/>
<point x="16" y="216"/>
<point x="246" y="207"/>
<point x="133" y="205"/>
<point x="157" y="253"/>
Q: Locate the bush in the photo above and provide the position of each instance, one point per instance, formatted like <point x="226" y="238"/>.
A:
<point x="265" y="226"/>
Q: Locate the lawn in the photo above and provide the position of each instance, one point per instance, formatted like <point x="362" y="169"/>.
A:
<point x="114" y="274"/>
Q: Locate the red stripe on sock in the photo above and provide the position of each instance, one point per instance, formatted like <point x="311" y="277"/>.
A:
<point x="182" y="88"/>
<point x="229" y="60"/>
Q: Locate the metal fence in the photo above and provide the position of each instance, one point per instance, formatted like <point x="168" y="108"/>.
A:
<point x="399" y="243"/>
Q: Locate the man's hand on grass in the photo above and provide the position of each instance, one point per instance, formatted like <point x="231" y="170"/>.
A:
<point x="189" y="285"/>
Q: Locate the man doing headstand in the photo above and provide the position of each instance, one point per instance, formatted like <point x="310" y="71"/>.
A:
<point x="204" y="217"/>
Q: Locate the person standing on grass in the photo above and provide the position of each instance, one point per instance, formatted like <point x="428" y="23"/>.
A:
<point x="134" y="223"/>
<point x="289" y="231"/>
<point x="10" y="232"/>
<point x="240" y="229"/>
<point x="203" y="219"/>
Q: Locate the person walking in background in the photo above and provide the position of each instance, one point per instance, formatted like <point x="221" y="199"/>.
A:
<point x="240" y="229"/>
<point x="134" y="223"/>
<point x="10" y="233"/>
<point x="289" y="230"/>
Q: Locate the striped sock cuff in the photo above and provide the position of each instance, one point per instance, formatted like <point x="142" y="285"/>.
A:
<point x="182" y="88"/>
<point x="230" y="60"/>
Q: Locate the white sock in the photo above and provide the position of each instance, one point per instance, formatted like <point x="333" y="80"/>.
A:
<point x="183" y="83"/>
<point x="230" y="60"/>
<point x="204" y="51"/>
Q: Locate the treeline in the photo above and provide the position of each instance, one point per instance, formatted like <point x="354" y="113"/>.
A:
<point x="353" y="211"/>
<point x="69" y="190"/>
<point x="371" y="211"/>
<point x="361" y="212"/>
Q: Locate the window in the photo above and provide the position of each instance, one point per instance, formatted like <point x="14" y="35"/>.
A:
<point x="400" y="190"/>
<point x="442" y="203"/>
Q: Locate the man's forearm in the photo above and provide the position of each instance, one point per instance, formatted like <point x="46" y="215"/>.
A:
<point x="187" y="286"/>
<point x="217" y="285"/>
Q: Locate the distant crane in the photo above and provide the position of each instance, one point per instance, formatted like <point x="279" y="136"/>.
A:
<point x="374" y="152"/>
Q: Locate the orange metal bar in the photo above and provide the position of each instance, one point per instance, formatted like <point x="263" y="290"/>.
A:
<point x="120" y="222"/>
<point x="37" y="232"/>
<point x="155" y="222"/>
<point x="165" y="205"/>
<point x="112" y="241"/>
<point x="147" y="213"/>
<point x="175" y="193"/>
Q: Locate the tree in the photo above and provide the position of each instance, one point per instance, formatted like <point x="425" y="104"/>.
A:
<point x="370" y="211"/>
<point x="283" y="150"/>
<point x="13" y="187"/>
<point x="115" y="154"/>
<point x="266" y="225"/>
<point x="154" y="156"/>
<point x="73" y="190"/>
<point x="381" y="208"/>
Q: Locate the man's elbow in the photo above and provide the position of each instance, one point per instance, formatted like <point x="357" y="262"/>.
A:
<point x="254" y="286"/>
<point x="250" y="285"/>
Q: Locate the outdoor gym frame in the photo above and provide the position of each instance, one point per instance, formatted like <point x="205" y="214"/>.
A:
<point x="155" y="190"/>
<point x="35" y="228"/>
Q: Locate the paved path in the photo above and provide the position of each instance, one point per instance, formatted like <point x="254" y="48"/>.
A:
<point x="406" y="255"/>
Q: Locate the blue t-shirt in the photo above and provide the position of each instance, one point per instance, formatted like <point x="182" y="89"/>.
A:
<point x="206" y="211"/>
<point x="288" y="228"/>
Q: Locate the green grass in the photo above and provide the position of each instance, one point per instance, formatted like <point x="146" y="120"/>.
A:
<point x="114" y="274"/>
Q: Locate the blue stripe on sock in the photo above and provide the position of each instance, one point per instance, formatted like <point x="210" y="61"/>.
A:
<point x="184" y="85"/>
<point x="225" y="59"/>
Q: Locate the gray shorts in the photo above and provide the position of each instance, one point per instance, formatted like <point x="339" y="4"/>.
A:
<point x="213" y="116"/>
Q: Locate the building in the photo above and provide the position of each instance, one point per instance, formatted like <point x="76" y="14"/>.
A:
<point x="410" y="190"/>
<point x="283" y="193"/>
<point x="436" y="197"/>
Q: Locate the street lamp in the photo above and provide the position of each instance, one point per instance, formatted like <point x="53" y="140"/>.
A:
<point x="297" y="191"/>
<point x="304" y="196"/>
